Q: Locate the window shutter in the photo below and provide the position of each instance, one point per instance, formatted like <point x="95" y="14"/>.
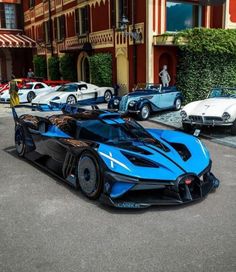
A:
<point x="77" y="21"/>
<point x="113" y="13"/>
<point x="86" y="19"/>
<point x="55" y="29"/>
<point x="48" y="32"/>
<point x="63" y="27"/>
<point x="44" y="31"/>
<point x="125" y="7"/>
<point x="2" y="16"/>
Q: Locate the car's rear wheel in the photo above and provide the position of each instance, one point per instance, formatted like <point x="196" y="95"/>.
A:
<point x="144" y="112"/>
<point x="107" y="96"/>
<point x="71" y="99"/>
<point x="233" y="128"/>
<point x="30" y="96"/>
<point x="20" y="142"/>
<point x="89" y="176"/>
<point x="187" y="127"/>
<point x="178" y="104"/>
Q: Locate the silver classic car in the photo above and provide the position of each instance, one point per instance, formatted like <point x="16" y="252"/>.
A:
<point x="146" y="99"/>
<point x="218" y="109"/>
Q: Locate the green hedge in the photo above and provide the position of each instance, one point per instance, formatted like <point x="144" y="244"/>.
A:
<point x="40" y="66"/>
<point x="207" y="58"/>
<point x="68" y="67"/>
<point x="197" y="73"/>
<point x="101" y="69"/>
<point x="54" y="68"/>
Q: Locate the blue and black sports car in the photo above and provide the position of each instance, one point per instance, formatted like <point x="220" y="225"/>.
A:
<point x="116" y="160"/>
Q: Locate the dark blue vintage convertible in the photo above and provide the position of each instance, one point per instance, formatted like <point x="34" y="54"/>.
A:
<point x="146" y="99"/>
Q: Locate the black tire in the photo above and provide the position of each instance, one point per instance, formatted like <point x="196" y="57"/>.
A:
<point x="107" y="96"/>
<point x="233" y="128"/>
<point x="187" y="127"/>
<point x="144" y="112"/>
<point x="178" y="104"/>
<point x="89" y="176"/>
<point x="20" y="142"/>
<point x="30" y="96"/>
<point x="71" y="99"/>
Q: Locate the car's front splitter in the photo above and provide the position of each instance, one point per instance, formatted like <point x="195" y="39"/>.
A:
<point x="136" y="198"/>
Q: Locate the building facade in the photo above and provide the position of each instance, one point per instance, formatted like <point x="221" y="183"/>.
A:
<point x="127" y="29"/>
<point x="15" y="48"/>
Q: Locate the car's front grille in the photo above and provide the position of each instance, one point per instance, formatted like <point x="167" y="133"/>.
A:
<point x="2" y="100"/>
<point x="213" y="118"/>
<point x="191" y="191"/>
<point x="123" y="103"/>
<point x="196" y="118"/>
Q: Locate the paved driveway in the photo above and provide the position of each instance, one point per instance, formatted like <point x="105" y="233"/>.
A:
<point x="46" y="226"/>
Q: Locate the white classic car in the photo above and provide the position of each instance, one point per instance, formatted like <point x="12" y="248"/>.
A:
<point x="72" y="93"/>
<point x="219" y="109"/>
<point x="28" y="92"/>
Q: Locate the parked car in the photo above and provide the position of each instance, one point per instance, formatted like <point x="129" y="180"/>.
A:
<point x="218" y="109"/>
<point x="19" y="81"/>
<point x="147" y="99"/>
<point x="116" y="160"/>
<point x="71" y="93"/>
<point x="4" y="87"/>
<point x="28" y="92"/>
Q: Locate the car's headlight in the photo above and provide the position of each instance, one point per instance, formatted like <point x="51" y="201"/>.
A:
<point x="55" y="98"/>
<point x="226" y="116"/>
<point x="116" y="102"/>
<point x="183" y="114"/>
<point x="132" y="103"/>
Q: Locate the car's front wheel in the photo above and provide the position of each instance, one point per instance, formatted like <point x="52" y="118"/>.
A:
<point x="107" y="96"/>
<point x="20" y="141"/>
<point x="89" y="176"/>
<point x="233" y="128"/>
<point x="178" y="104"/>
<point x="144" y="112"/>
<point x="71" y="99"/>
<point x="30" y="96"/>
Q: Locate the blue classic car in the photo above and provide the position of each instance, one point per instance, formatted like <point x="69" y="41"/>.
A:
<point x="146" y="99"/>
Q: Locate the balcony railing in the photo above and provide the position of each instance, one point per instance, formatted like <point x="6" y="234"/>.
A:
<point x="168" y="40"/>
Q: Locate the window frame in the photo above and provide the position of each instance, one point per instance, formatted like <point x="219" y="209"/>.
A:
<point x="199" y="11"/>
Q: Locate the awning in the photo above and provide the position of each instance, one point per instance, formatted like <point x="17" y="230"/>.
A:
<point x="16" y="41"/>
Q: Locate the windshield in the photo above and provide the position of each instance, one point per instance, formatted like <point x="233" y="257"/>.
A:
<point x="68" y="88"/>
<point x="99" y="131"/>
<point x="148" y="86"/>
<point x="227" y="92"/>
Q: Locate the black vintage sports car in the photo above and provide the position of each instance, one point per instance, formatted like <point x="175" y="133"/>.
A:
<point x="116" y="160"/>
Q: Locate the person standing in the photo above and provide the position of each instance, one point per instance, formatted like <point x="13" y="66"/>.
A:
<point x="13" y="91"/>
<point x="165" y="77"/>
<point x="30" y="73"/>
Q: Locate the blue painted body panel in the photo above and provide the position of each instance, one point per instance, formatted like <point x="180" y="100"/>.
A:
<point x="120" y="188"/>
<point x="54" y="131"/>
<point x="171" y="165"/>
<point x="200" y="157"/>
